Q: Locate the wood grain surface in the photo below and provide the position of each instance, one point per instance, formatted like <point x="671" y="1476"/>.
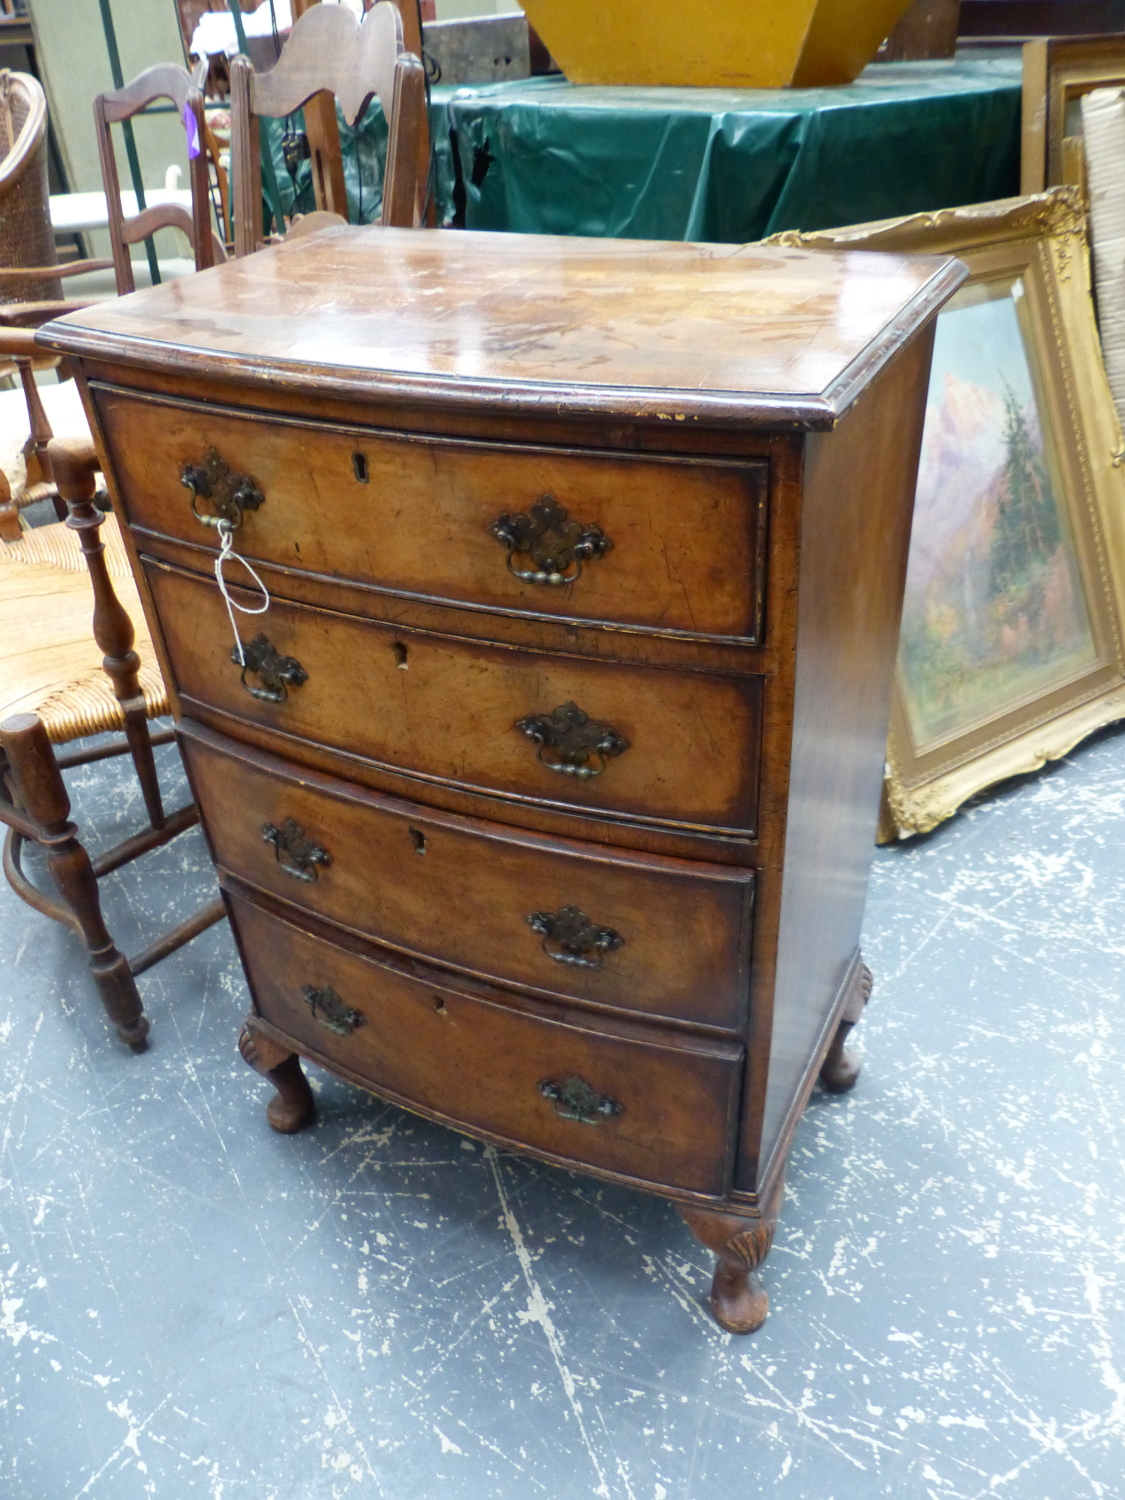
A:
<point x="478" y="1064"/>
<point x="446" y="709"/>
<point x="459" y="892"/>
<point x="414" y="517"/>
<point x="657" y="332"/>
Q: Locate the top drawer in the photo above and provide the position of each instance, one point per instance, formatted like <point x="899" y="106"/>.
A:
<point x="427" y="517"/>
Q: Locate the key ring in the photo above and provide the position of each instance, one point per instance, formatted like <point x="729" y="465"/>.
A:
<point x="227" y="554"/>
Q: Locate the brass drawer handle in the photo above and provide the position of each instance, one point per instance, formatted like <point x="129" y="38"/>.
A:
<point x="579" y="746"/>
<point x="297" y="855"/>
<point x="230" y="495"/>
<point x="329" y="1011"/>
<point x="576" y="1100"/>
<point x="569" y="935"/>
<point x="276" y="673"/>
<point x="557" y="546"/>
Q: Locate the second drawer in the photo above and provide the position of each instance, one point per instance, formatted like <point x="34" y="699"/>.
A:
<point x="672" y="747"/>
<point x="658" y="936"/>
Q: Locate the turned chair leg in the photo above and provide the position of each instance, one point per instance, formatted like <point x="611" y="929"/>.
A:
<point x="9" y="512"/>
<point x="293" y="1107"/>
<point x="74" y="463"/>
<point x="41" y="434"/>
<point x="38" y="786"/>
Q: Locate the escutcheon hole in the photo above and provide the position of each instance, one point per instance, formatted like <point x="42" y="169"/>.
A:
<point x="399" y="651"/>
<point x="359" y="467"/>
<point x="439" y="1006"/>
<point x="418" y="839"/>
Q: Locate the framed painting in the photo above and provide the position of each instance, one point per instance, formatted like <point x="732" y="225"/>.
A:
<point x="1057" y="71"/>
<point x="1012" y="646"/>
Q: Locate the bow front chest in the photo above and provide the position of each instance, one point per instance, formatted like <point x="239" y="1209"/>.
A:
<point x="542" y="784"/>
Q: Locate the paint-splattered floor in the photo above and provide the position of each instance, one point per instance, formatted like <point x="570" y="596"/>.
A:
<point x="194" y="1306"/>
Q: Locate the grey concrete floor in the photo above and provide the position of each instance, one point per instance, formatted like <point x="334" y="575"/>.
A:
<point x="191" y="1305"/>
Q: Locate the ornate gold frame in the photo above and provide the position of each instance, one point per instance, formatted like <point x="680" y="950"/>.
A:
<point x="1057" y="71"/>
<point x="1043" y="239"/>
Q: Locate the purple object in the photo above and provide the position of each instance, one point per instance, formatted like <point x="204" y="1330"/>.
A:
<point x="191" y="126"/>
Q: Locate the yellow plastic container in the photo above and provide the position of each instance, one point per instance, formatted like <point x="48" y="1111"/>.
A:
<point x="714" y="43"/>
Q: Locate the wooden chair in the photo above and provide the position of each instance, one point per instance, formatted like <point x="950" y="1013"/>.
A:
<point x="328" y="57"/>
<point x="176" y="84"/>
<point x="164" y="82"/>
<point x="56" y="686"/>
<point x="31" y="287"/>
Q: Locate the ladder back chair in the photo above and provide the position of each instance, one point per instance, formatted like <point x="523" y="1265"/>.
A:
<point x="31" y="280"/>
<point x="329" y="54"/>
<point x="176" y="84"/>
<point x="57" y="684"/>
<point x="167" y="81"/>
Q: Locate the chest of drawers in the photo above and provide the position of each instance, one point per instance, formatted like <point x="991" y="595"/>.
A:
<point x="543" y="790"/>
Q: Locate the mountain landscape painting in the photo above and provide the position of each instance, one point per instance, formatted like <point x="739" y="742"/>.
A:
<point x="994" y="612"/>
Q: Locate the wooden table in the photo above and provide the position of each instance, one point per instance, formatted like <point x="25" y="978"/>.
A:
<point x="543" y="793"/>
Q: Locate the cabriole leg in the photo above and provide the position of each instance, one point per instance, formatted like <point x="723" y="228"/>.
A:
<point x="839" y="1071"/>
<point x="738" y="1299"/>
<point x="292" y="1108"/>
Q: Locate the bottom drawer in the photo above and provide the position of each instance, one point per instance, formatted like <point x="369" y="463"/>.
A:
<point x="622" y="1100"/>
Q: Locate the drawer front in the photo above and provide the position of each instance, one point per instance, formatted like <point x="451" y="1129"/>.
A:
<point x="686" y="540"/>
<point x="679" y="748"/>
<point x="642" y="1108"/>
<point x="652" y="935"/>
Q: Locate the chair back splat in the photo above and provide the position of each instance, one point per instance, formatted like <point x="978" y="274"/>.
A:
<point x="330" y="58"/>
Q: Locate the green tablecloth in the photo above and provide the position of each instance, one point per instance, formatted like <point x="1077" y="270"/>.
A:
<point x="547" y="157"/>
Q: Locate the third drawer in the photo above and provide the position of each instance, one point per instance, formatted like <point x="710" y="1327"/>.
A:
<point x="663" y="937"/>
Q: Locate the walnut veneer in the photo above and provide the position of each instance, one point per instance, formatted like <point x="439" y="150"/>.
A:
<point x="544" y="792"/>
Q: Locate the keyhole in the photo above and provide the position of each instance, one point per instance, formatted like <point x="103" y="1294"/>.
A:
<point x="399" y="651"/>
<point x="439" y="1006"/>
<point x="418" y="840"/>
<point x="359" y="467"/>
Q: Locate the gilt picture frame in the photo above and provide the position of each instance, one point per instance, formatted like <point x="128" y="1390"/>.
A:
<point x="1012" y="647"/>
<point x="1057" y="71"/>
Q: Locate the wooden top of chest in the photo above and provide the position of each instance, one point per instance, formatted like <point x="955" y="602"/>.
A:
<point x="646" y="330"/>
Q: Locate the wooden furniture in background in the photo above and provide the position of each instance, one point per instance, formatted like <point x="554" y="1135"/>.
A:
<point x="57" y="686"/>
<point x="927" y="30"/>
<point x="1057" y="71"/>
<point x="165" y="82"/>
<point x="31" y="289"/>
<point x="714" y="43"/>
<point x="171" y="82"/>
<point x="544" y="790"/>
<point x="1019" y="19"/>
<point x="328" y="53"/>
<point x="27" y="242"/>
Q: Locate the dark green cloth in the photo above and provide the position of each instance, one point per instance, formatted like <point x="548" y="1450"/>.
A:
<point x="547" y="157"/>
<point x="364" y="152"/>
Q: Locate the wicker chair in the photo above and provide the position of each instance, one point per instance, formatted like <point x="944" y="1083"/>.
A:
<point x="56" y="686"/>
<point x="27" y="242"/>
